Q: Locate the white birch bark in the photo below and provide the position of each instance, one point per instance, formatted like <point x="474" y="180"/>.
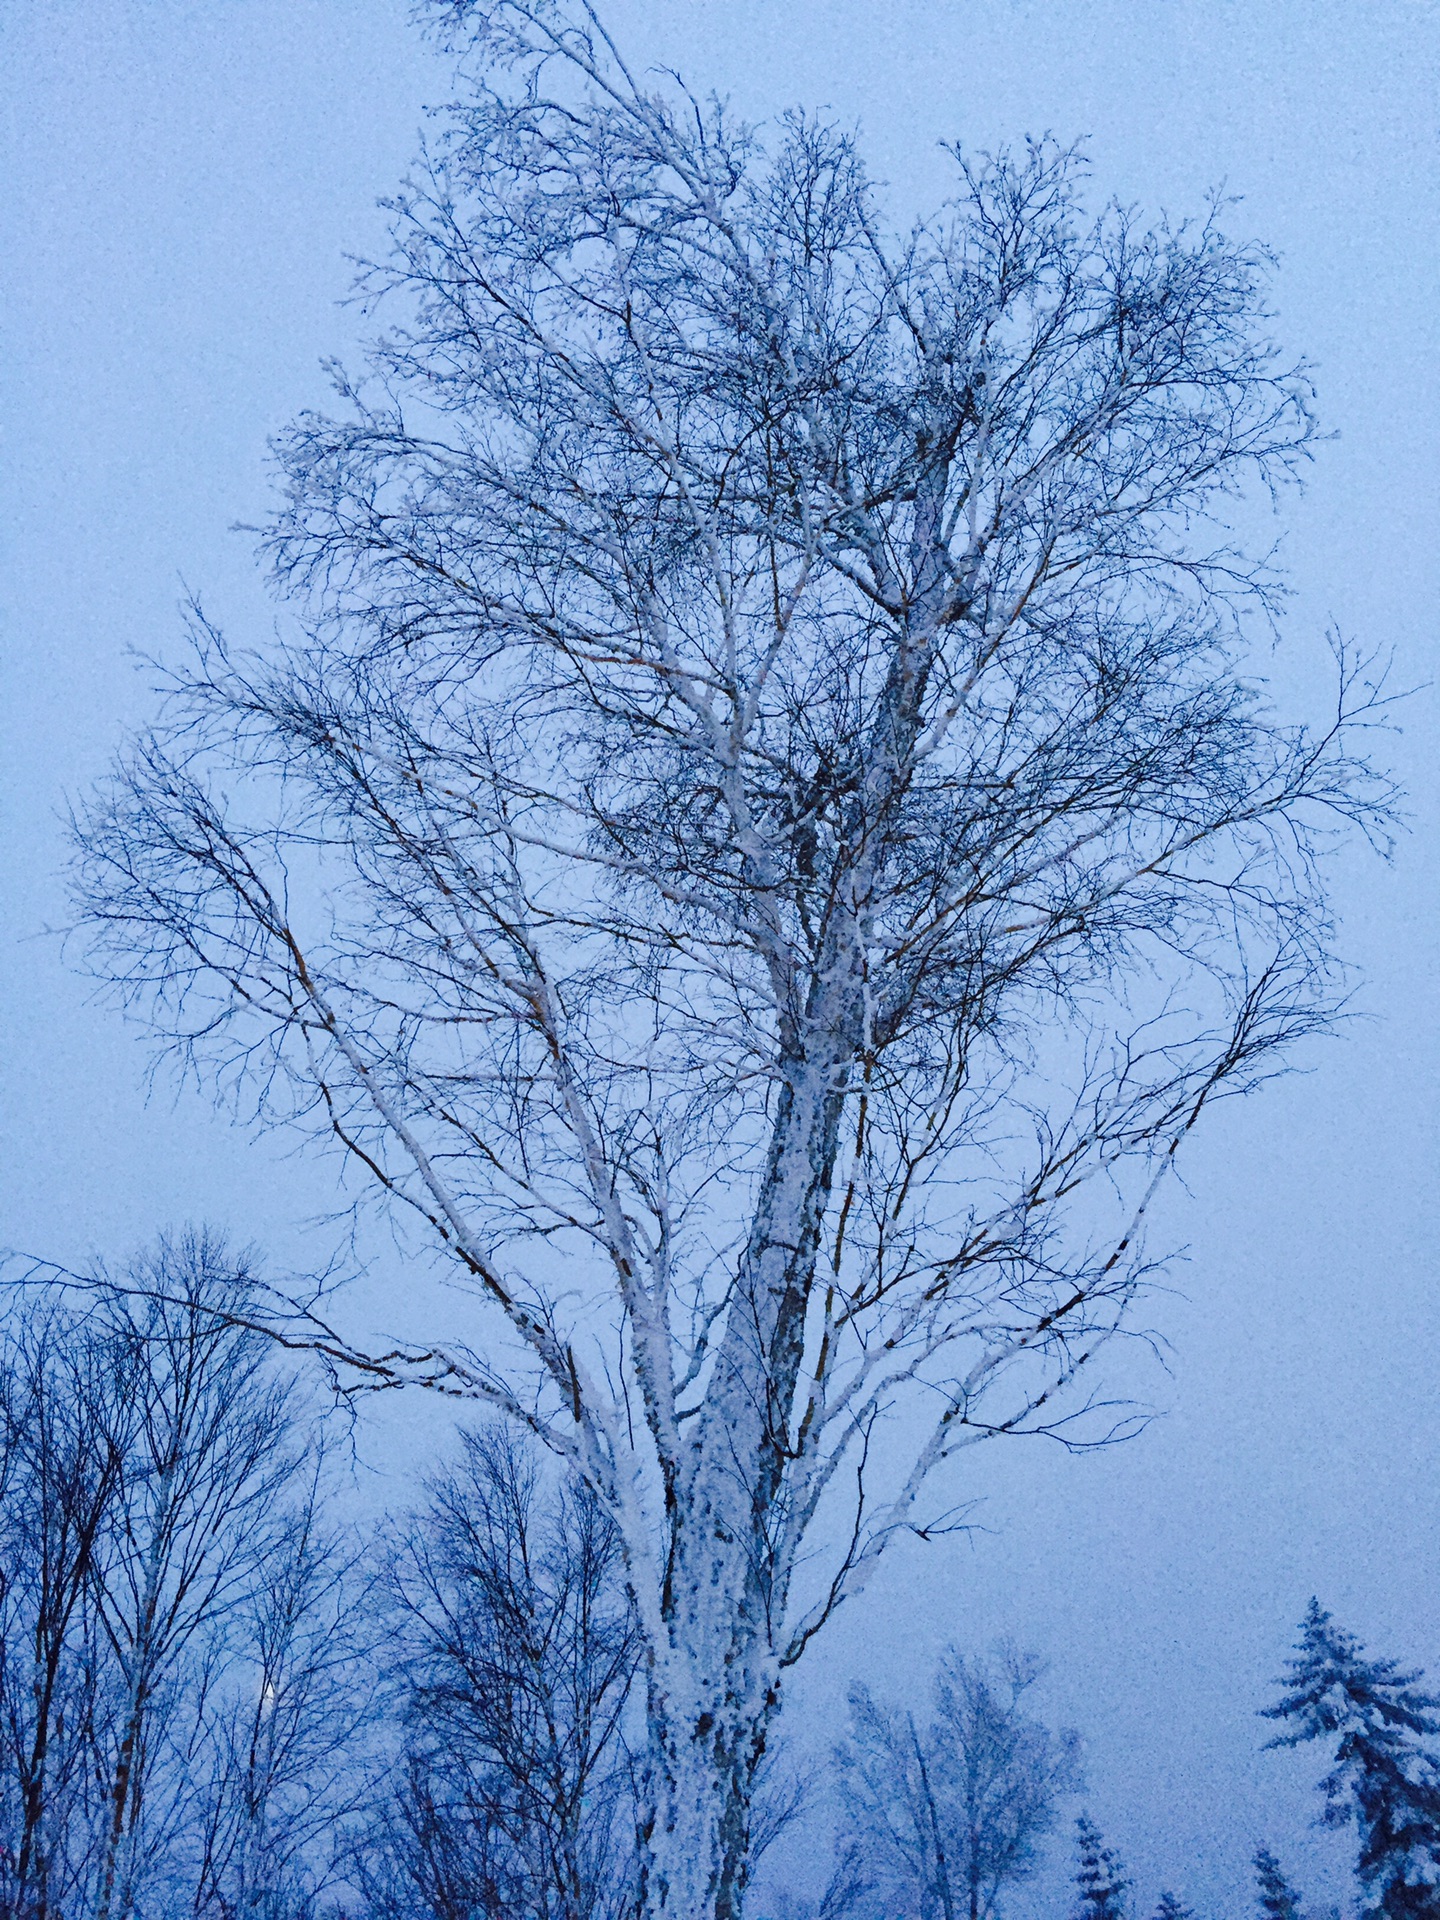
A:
<point x="762" y="701"/>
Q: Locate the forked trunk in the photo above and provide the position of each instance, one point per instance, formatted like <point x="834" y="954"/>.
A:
<point x="714" y="1684"/>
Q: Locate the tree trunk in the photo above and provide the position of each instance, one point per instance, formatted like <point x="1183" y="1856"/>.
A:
<point x="695" y="1847"/>
<point x="121" y="1796"/>
<point x="715" y="1685"/>
<point x="714" y="1691"/>
<point x="125" y="1782"/>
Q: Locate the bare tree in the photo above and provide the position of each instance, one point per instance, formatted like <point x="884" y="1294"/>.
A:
<point x="287" y="1774"/>
<point x="521" y="1654"/>
<point x="200" y="1497"/>
<point x="949" y="1814"/>
<point x="759" y="836"/>
<point x="178" y="1713"/>
<point x="63" y="1383"/>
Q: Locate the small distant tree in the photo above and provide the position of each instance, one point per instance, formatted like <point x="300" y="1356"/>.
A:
<point x="172" y="1632"/>
<point x="1172" y="1908"/>
<point x="1275" y="1897"/>
<point x="1099" y="1876"/>
<point x="951" y="1813"/>
<point x="1383" y="1779"/>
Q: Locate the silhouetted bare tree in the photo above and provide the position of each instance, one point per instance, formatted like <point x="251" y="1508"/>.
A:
<point x="64" y="1428"/>
<point x="289" y="1739"/>
<point x="177" y="1646"/>
<point x="521" y="1653"/>
<point x="202" y="1482"/>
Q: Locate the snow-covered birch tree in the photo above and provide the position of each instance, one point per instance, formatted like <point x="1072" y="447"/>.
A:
<point x="759" y="834"/>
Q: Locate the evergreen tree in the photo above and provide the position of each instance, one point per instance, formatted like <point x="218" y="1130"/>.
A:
<point x="1275" y="1896"/>
<point x="1099" y="1876"/>
<point x="1170" y="1908"/>
<point x="1382" y="1777"/>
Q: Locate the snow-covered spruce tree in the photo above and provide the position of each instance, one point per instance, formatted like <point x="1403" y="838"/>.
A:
<point x="1099" y="1877"/>
<point x="1274" y="1895"/>
<point x="759" y="834"/>
<point x="1382" y="1778"/>
<point x="1171" y="1907"/>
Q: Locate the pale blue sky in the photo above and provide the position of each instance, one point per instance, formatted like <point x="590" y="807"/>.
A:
<point x="182" y="185"/>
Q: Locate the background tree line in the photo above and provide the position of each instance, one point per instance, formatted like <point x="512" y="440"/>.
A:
<point x="178" y="1706"/>
<point x="213" y="1702"/>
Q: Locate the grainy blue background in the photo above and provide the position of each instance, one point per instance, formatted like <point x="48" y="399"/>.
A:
<point x="181" y="183"/>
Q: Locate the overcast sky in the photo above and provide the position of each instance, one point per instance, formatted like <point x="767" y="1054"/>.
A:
<point x="182" y="185"/>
